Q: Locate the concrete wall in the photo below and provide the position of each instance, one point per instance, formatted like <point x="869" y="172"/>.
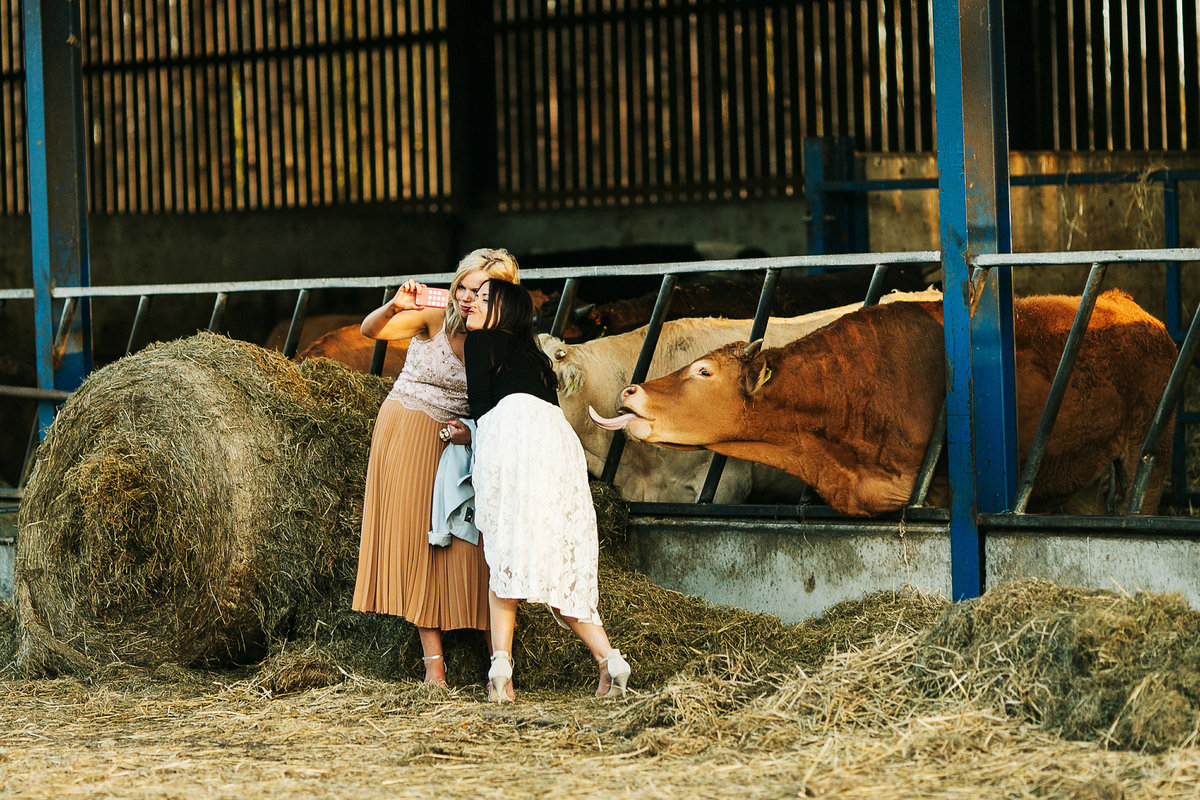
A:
<point x="796" y="571"/>
<point x="8" y="550"/>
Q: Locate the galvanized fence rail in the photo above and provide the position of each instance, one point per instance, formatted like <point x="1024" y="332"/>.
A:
<point x="70" y="297"/>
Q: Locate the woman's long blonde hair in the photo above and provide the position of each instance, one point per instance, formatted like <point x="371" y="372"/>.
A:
<point x="498" y="263"/>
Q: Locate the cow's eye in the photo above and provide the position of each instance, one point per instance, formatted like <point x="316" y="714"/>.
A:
<point x="704" y="372"/>
<point x="560" y="354"/>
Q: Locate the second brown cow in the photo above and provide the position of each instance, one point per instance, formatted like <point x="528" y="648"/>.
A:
<point x="850" y="408"/>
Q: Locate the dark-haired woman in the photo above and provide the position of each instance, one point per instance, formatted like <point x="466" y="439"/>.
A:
<point x="533" y="505"/>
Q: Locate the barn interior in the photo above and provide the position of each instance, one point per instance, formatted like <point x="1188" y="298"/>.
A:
<point x="336" y="148"/>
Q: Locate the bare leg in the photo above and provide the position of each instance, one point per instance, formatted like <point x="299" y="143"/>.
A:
<point x="597" y="642"/>
<point x="502" y="619"/>
<point x="431" y="649"/>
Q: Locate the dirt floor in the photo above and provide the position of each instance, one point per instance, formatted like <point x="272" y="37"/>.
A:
<point x="134" y="733"/>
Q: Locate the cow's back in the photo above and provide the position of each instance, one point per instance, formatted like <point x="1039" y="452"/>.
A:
<point x="1120" y="374"/>
<point x="349" y="347"/>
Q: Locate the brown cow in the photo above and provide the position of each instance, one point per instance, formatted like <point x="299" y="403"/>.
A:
<point x="731" y="295"/>
<point x="850" y="408"/>
<point x="313" y="328"/>
<point x="348" y="346"/>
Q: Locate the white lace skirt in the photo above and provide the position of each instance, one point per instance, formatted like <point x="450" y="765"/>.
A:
<point x="534" y="509"/>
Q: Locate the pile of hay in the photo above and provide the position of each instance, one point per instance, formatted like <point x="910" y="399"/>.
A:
<point x="191" y="504"/>
<point x="1083" y="664"/>
<point x="1095" y="665"/>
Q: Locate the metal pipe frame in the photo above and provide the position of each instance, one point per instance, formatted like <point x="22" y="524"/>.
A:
<point x="974" y="218"/>
<point x="293" y="334"/>
<point x="220" y="303"/>
<point x="758" y="328"/>
<point x="57" y="190"/>
<point x="654" y="328"/>
<point x="1058" y="387"/>
<point x="139" y="318"/>
<point x="1162" y="415"/>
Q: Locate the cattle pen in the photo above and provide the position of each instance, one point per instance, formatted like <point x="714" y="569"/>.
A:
<point x="797" y="559"/>
<point x="175" y="584"/>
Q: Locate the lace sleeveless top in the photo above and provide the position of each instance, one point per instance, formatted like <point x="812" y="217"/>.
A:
<point x="433" y="379"/>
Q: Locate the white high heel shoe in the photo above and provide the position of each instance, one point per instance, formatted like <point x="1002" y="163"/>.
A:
<point x="499" y="675"/>
<point x="618" y="671"/>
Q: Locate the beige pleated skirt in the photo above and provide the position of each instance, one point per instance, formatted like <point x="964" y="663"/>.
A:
<point x="399" y="572"/>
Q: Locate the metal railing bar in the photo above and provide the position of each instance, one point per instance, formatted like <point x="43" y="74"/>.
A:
<point x="1058" y="387"/>
<point x="649" y="345"/>
<point x="32" y="393"/>
<point x="16" y="294"/>
<point x="139" y="318"/>
<point x="1155" y="527"/>
<point x="379" y="353"/>
<point x="937" y="443"/>
<point x="798" y="512"/>
<point x="1162" y="415"/>
<point x="64" y="330"/>
<point x="565" y="302"/>
<point x="875" y="289"/>
<point x="845" y="261"/>
<point x="758" y="328"/>
<point x="218" y="312"/>
<point x="1081" y="257"/>
<point x="1037" y="180"/>
<point x="293" y="334"/>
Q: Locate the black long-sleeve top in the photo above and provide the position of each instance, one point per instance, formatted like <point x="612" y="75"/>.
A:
<point x="496" y="368"/>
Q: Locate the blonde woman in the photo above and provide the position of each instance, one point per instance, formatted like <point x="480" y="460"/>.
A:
<point x="399" y="571"/>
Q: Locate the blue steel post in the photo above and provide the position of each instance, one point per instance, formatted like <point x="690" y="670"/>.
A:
<point x="973" y="182"/>
<point x="57" y="189"/>
<point x="814" y="193"/>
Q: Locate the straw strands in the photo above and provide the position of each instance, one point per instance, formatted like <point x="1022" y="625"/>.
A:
<point x="858" y="726"/>
<point x="138" y="562"/>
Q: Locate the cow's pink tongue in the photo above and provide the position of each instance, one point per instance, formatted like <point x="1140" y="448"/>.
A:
<point x="613" y="424"/>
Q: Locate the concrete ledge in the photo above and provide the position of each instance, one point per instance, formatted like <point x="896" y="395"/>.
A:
<point x="796" y="569"/>
<point x="8" y="550"/>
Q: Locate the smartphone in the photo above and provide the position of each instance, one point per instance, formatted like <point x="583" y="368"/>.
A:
<point x="429" y="297"/>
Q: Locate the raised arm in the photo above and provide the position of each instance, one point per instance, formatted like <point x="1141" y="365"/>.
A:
<point x="401" y="318"/>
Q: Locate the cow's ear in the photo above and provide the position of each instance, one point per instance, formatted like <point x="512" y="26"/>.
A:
<point x="756" y="376"/>
<point x="570" y="379"/>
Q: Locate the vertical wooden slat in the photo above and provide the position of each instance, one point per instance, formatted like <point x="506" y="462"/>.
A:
<point x="8" y="122"/>
<point x="1125" y="67"/>
<point x="1160" y="29"/>
<point x="786" y="40"/>
<point x="688" y="73"/>
<point x="1105" y="68"/>
<point x="1182" y="73"/>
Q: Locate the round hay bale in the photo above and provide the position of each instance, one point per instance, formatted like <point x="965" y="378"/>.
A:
<point x="190" y="504"/>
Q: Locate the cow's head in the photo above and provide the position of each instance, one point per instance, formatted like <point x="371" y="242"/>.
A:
<point x="570" y="374"/>
<point x="697" y="405"/>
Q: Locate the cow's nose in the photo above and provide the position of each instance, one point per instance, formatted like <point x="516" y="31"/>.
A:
<point x="628" y="392"/>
